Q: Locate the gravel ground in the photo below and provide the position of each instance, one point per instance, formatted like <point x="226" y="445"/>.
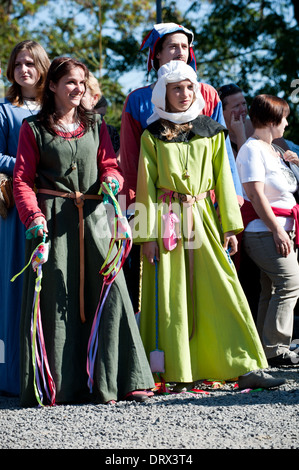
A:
<point x="177" y="424"/>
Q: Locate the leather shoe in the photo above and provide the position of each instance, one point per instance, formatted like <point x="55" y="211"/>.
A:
<point x="259" y="379"/>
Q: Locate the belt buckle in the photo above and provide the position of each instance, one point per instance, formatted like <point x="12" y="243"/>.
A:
<point x="182" y="197"/>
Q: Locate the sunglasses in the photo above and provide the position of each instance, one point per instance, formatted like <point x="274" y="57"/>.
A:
<point x="227" y="90"/>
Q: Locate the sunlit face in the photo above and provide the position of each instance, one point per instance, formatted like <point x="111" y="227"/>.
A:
<point x="69" y="89"/>
<point x="25" y="73"/>
<point x="89" y="100"/>
<point x="235" y="106"/>
<point x="175" y="47"/>
<point x="180" y="96"/>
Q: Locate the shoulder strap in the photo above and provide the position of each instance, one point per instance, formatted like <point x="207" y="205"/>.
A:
<point x="281" y="151"/>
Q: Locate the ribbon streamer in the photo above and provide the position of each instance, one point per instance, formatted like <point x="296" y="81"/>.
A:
<point x="42" y="379"/>
<point x="122" y="239"/>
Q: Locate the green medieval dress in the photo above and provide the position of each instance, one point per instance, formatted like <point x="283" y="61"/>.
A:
<point x="121" y="365"/>
<point x="209" y="334"/>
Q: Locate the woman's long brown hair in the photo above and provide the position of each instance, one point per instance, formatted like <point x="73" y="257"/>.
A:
<point x="41" y="62"/>
<point x="48" y="115"/>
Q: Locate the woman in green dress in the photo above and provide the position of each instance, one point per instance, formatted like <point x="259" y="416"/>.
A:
<point x="63" y="157"/>
<point x="205" y="328"/>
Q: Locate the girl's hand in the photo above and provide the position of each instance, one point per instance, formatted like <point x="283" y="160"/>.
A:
<point x="230" y="241"/>
<point x="151" y="250"/>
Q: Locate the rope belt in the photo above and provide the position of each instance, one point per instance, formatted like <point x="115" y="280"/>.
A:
<point x="79" y="199"/>
<point x="188" y="200"/>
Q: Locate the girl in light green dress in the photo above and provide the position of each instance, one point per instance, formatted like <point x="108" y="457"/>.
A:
<point x="205" y="327"/>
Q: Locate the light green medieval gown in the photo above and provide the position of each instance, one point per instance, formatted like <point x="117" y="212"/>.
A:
<point x="216" y="339"/>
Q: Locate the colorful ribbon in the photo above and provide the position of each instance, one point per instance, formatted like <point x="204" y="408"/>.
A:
<point x="42" y="379"/>
<point x="122" y="237"/>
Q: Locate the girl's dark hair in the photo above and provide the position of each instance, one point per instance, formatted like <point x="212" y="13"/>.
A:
<point x="268" y="109"/>
<point x="48" y="115"/>
<point x="171" y="130"/>
<point x="41" y="62"/>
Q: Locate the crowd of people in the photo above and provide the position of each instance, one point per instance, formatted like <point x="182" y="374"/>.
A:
<point x="204" y="187"/>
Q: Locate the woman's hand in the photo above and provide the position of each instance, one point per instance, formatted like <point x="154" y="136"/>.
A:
<point x="255" y="192"/>
<point x="109" y="180"/>
<point x="230" y="241"/>
<point x="35" y="223"/>
<point x="291" y="157"/>
<point x="151" y="250"/>
<point x="282" y="242"/>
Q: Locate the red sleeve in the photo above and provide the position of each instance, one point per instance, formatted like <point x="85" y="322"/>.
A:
<point x="24" y="176"/>
<point x="130" y="134"/>
<point x="211" y="98"/>
<point x="107" y="162"/>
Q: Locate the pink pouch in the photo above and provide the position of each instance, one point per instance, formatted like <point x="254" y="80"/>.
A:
<point x="170" y="238"/>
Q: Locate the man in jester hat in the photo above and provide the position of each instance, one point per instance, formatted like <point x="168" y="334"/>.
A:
<point x="166" y="42"/>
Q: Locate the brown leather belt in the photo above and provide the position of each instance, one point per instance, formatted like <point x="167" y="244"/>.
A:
<point x="79" y="202"/>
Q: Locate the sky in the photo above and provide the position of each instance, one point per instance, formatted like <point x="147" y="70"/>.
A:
<point x="128" y="81"/>
<point x="135" y="79"/>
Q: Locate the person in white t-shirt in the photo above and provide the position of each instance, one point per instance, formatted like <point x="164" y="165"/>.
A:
<point x="270" y="216"/>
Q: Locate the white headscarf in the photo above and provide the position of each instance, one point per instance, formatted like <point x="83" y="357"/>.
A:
<point x="175" y="71"/>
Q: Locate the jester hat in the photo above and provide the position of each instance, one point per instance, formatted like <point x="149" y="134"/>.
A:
<point x="157" y="33"/>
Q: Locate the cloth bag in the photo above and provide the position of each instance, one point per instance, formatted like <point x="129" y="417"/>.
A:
<point x="6" y="194"/>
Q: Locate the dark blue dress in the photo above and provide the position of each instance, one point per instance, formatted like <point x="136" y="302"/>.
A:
<point x="12" y="248"/>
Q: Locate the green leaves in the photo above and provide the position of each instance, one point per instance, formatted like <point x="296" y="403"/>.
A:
<point x="252" y="43"/>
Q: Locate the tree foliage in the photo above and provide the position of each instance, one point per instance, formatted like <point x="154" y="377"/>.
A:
<point x="252" y="43"/>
